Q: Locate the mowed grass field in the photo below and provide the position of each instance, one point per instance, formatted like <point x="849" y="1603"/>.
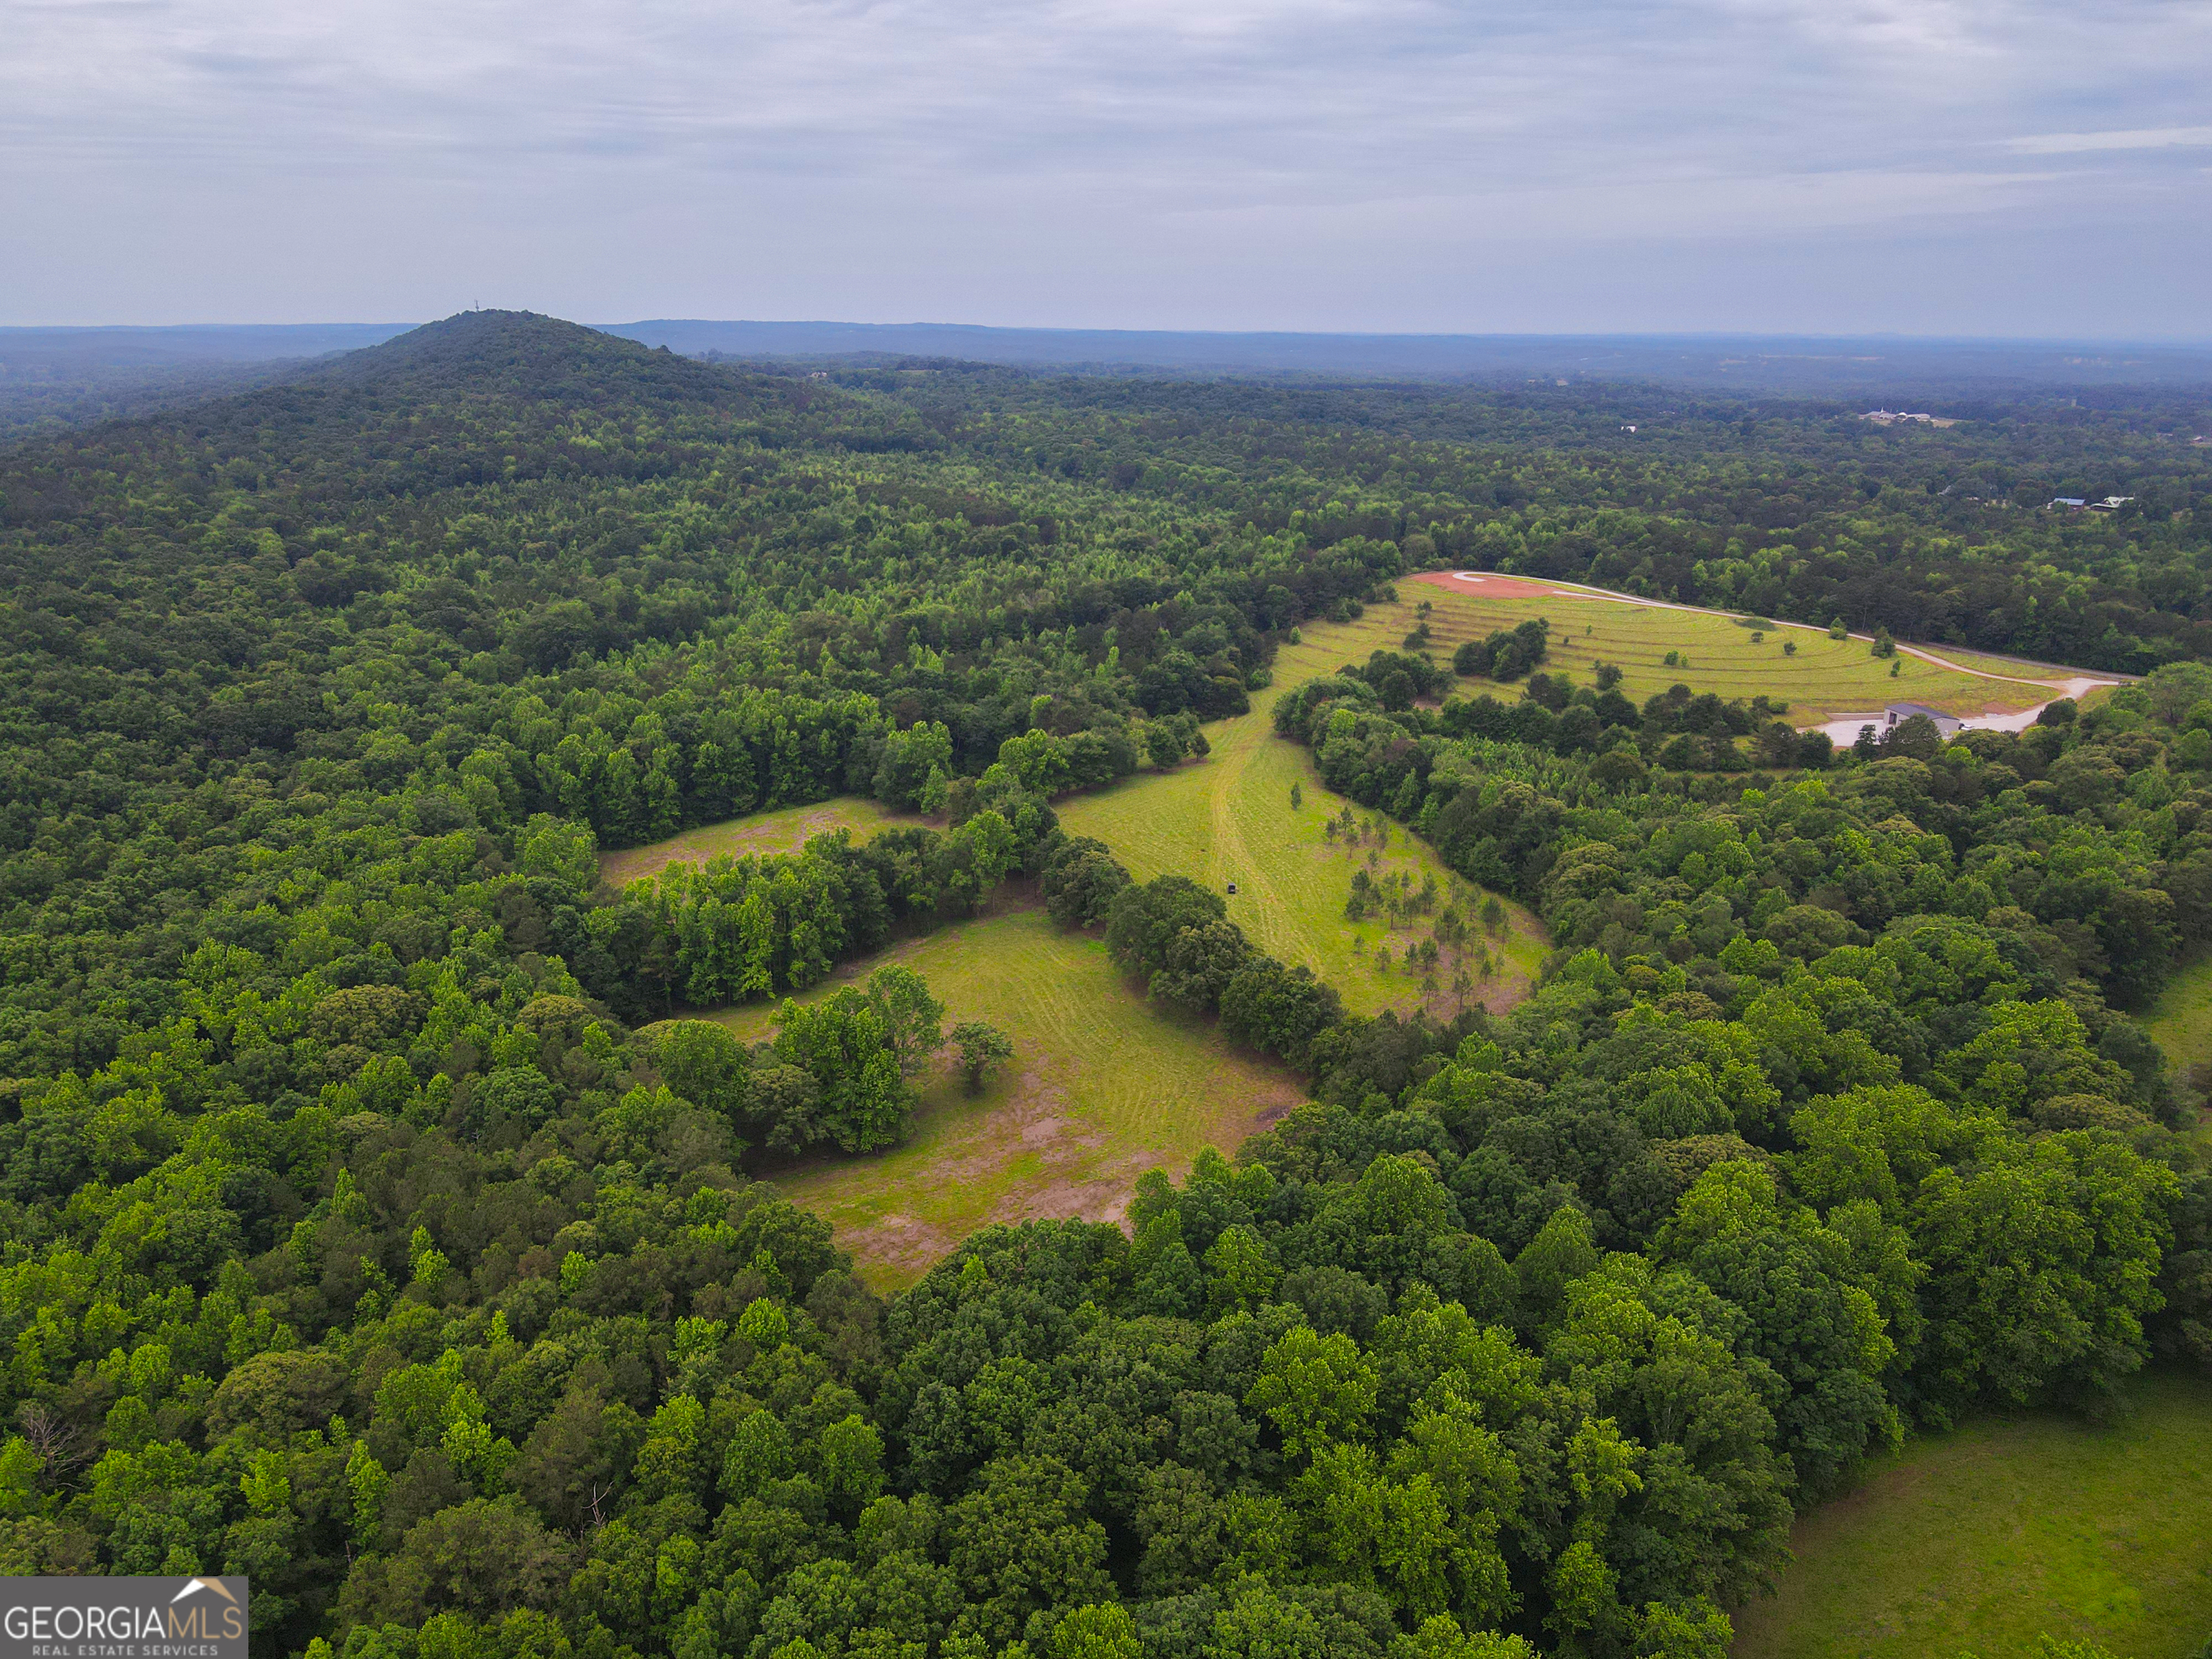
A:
<point x="2180" y="1022"/>
<point x="1980" y="1540"/>
<point x="1102" y="1086"/>
<point x="782" y="831"/>
<point x="1823" y="678"/>
<point x="1229" y="818"/>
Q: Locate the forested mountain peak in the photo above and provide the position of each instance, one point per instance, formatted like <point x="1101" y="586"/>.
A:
<point x="476" y="398"/>
<point x="522" y="354"/>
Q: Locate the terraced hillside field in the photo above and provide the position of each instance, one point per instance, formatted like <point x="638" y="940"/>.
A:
<point x="1104" y="1086"/>
<point x="1729" y="656"/>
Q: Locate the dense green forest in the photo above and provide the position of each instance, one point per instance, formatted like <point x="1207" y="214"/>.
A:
<point x="1784" y="508"/>
<point x="371" y="1229"/>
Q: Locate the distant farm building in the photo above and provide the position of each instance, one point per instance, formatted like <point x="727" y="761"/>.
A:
<point x="1898" y="713"/>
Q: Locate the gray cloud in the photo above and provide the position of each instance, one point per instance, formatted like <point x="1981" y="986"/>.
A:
<point x="2075" y="143"/>
<point x="1261" y="163"/>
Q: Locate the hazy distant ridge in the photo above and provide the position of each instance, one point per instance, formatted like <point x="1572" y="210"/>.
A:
<point x="1770" y="362"/>
<point x="1835" y="365"/>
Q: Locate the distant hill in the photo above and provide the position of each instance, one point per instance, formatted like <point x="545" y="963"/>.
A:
<point x="477" y="398"/>
<point x="521" y="354"/>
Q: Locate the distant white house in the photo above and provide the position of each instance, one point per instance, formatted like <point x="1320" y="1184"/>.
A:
<point x="1898" y="713"/>
<point x="2111" y="504"/>
<point x="1891" y="417"/>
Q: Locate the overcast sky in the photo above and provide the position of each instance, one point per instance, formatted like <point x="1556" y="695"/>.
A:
<point x="2008" y="167"/>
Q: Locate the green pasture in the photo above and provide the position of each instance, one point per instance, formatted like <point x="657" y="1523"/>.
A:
<point x="1229" y="817"/>
<point x="1823" y="679"/>
<point x="1979" y="1541"/>
<point x="784" y="830"/>
<point x="2181" y="1024"/>
<point x="1104" y="1085"/>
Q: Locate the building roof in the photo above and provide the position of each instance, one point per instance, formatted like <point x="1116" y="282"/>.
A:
<point x="1907" y="710"/>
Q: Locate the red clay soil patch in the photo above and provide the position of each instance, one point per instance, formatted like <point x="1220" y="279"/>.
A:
<point x="1487" y="584"/>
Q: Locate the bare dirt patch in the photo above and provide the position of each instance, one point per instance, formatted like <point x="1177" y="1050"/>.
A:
<point x="1486" y="583"/>
<point x="904" y="1242"/>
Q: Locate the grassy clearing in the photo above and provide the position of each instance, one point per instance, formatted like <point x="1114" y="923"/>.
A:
<point x="1979" y="1541"/>
<point x="1103" y="1087"/>
<point x="785" y="830"/>
<point x="2181" y="1024"/>
<point x="1229" y="818"/>
<point x="1823" y="679"/>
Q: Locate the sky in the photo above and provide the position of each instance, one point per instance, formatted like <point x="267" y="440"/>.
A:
<point x="2006" y="168"/>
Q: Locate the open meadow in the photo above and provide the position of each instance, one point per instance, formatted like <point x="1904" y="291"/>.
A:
<point x="782" y="831"/>
<point x="2180" y="1022"/>
<point x="1104" y="1085"/>
<point x="1979" y="1541"/>
<point x="1729" y="656"/>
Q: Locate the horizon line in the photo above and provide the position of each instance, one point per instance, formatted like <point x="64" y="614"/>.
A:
<point x="1682" y="335"/>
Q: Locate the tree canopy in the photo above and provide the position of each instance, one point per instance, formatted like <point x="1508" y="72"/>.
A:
<point x="383" y="1221"/>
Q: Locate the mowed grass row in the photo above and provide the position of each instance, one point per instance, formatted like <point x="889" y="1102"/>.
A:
<point x="785" y="830"/>
<point x="1102" y="1086"/>
<point x="1823" y="679"/>
<point x="1982" y="1540"/>
<point x="1229" y="818"/>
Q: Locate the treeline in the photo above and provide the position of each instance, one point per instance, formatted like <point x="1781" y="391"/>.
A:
<point x="1985" y="812"/>
<point x="838" y="1073"/>
<point x="735" y="929"/>
<point x="1175" y="938"/>
<point x="1389" y="757"/>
